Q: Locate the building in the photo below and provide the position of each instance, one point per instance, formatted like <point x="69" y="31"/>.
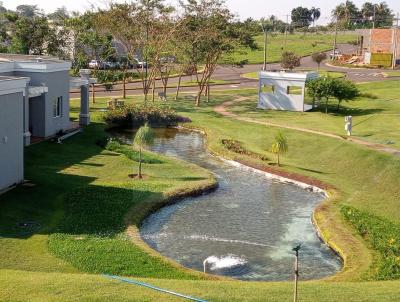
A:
<point x="34" y="102"/>
<point x="381" y="46"/>
<point x="284" y="90"/>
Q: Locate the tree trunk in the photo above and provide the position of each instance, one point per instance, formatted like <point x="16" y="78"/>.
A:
<point x="178" y="87"/>
<point x="153" y="91"/>
<point x="198" y="98"/>
<point x="208" y="93"/>
<point x="338" y="106"/>
<point x="140" y="164"/>
<point x="326" y="105"/>
<point x="124" y="88"/>
<point x="313" y="102"/>
<point x="279" y="162"/>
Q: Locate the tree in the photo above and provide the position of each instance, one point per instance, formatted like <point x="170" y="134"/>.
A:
<point x="319" y="58"/>
<point x="301" y="17"/>
<point x="143" y="138"/>
<point x="279" y="146"/>
<point x="144" y="28"/>
<point x="321" y="88"/>
<point x="315" y="14"/>
<point x="290" y="60"/>
<point x="59" y="15"/>
<point x="346" y="14"/>
<point x="28" y="11"/>
<point x="35" y="36"/>
<point x="207" y="32"/>
<point x="378" y="14"/>
<point x="343" y="90"/>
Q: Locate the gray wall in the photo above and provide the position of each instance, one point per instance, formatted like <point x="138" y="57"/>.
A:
<point x="58" y="84"/>
<point x="11" y="140"/>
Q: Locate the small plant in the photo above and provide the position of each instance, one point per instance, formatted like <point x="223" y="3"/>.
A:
<point x="279" y="146"/>
<point x="319" y="58"/>
<point x="143" y="138"/>
<point x="290" y="60"/>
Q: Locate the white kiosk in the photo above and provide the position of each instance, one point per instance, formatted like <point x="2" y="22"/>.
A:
<point x="284" y="90"/>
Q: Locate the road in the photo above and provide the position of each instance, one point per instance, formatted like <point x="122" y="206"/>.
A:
<point x="233" y="76"/>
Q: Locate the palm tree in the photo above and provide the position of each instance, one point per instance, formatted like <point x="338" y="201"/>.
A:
<point x="315" y="14"/>
<point x="280" y="146"/>
<point x="143" y="137"/>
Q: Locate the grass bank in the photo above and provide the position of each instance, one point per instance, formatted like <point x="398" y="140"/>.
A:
<point x="301" y="44"/>
<point x="330" y="74"/>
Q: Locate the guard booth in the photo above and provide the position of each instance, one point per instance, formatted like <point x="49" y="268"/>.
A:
<point x="284" y="90"/>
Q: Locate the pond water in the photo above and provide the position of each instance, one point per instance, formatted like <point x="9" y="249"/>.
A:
<point x="246" y="229"/>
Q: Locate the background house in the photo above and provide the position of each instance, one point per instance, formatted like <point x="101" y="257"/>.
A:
<point x="34" y="101"/>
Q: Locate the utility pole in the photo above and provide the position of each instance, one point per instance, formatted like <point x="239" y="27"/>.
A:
<point x="395" y="42"/>
<point x="265" y="30"/>
<point x="373" y="18"/>
<point x="335" y="40"/>
<point x="286" y="30"/>
<point x="296" y="272"/>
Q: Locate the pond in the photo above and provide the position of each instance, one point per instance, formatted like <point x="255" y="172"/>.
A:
<point x="246" y="229"/>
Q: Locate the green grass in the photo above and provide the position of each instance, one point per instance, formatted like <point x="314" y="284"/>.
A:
<point x="392" y="74"/>
<point x="376" y="115"/>
<point x="301" y="44"/>
<point x="82" y="196"/>
<point x="331" y="74"/>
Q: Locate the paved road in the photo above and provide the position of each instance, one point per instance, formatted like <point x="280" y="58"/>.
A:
<point x="233" y="75"/>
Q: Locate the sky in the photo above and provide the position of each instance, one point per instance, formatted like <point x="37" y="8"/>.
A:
<point x="243" y="8"/>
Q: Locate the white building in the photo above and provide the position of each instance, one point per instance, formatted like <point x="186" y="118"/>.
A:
<point x="284" y="90"/>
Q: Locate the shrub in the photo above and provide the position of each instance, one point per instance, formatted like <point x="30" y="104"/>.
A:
<point x="383" y="235"/>
<point x="133" y="116"/>
<point x="236" y="147"/>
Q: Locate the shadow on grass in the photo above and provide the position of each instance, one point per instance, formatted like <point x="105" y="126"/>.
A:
<point x="60" y="201"/>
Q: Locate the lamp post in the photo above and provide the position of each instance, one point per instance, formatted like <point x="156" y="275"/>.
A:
<point x="296" y="271"/>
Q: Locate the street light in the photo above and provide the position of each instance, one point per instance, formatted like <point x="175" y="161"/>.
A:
<point x="296" y="270"/>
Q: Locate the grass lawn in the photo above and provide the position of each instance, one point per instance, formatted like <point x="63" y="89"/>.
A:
<point x="375" y="119"/>
<point x="392" y="73"/>
<point x="331" y="74"/>
<point x="82" y="197"/>
<point x="301" y="44"/>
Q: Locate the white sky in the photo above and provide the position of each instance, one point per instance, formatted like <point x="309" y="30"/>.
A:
<point x="243" y="8"/>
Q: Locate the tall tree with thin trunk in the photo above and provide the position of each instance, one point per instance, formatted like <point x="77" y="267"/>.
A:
<point x="207" y="32"/>
<point x="144" y="137"/>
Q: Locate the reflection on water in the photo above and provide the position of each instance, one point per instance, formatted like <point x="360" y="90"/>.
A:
<point x="245" y="230"/>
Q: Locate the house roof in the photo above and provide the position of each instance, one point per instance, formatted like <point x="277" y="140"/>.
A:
<point x="29" y="63"/>
<point x="11" y="84"/>
<point x="289" y="76"/>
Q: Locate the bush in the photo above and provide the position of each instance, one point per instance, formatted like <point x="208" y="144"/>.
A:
<point x="133" y="116"/>
<point x="383" y="235"/>
<point x="236" y="147"/>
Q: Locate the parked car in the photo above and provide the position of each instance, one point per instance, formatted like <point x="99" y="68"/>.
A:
<point x="337" y="54"/>
<point x="96" y="64"/>
<point x="140" y="63"/>
<point x="111" y="65"/>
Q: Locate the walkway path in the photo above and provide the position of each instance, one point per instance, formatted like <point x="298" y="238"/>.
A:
<point x="223" y="109"/>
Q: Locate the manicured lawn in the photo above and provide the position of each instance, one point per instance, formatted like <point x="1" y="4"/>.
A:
<point x="82" y="196"/>
<point x="375" y="119"/>
<point x="301" y="44"/>
<point x="331" y="74"/>
<point x="392" y="74"/>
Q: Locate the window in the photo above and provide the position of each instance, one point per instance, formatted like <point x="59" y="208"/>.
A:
<point x="267" y="88"/>
<point x="294" y="90"/>
<point x="57" y="107"/>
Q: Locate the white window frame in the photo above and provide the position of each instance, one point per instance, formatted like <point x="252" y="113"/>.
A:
<point x="57" y="107"/>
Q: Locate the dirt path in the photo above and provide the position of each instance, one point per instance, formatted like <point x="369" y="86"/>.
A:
<point x="223" y="109"/>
